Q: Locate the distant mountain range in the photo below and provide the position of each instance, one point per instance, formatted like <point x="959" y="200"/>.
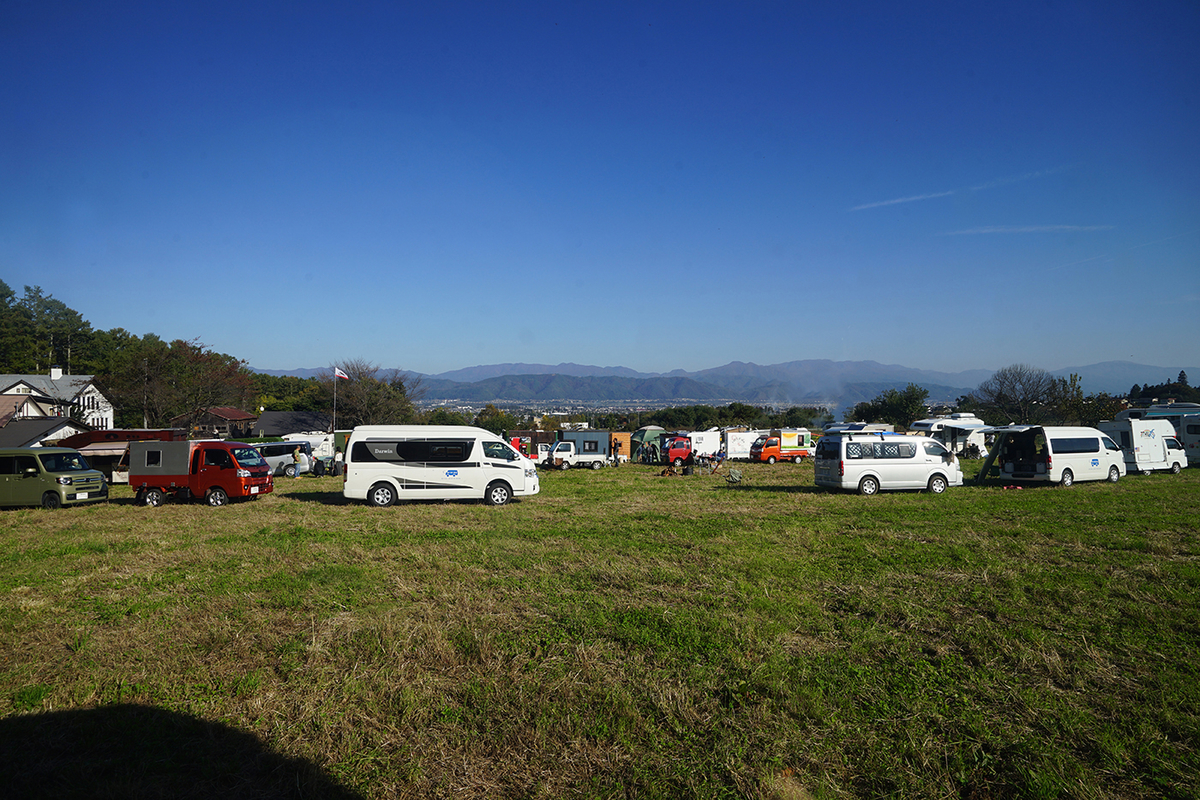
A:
<point x="834" y="384"/>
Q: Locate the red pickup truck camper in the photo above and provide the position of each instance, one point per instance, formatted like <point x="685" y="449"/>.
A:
<point x="213" y="469"/>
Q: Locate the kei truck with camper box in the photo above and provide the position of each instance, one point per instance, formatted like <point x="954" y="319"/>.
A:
<point x="1054" y="454"/>
<point x="386" y="463"/>
<point x="213" y="469"/>
<point x="794" y="444"/>
<point x="49" y="477"/>
<point x="1148" y="444"/>
<point x="873" y="462"/>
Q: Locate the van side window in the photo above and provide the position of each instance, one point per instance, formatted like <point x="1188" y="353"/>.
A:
<point x="154" y="458"/>
<point x="935" y="449"/>
<point x="412" y="451"/>
<point x="8" y="465"/>
<point x="498" y="451"/>
<point x="1077" y="444"/>
<point x="26" y="462"/>
<point x="1173" y="444"/>
<point x="1109" y="444"/>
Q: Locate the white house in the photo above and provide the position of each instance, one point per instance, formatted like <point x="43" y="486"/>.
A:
<point x="57" y="395"/>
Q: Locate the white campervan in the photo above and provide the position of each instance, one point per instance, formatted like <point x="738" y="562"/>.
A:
<point x="1056" y="454"/>
<point x="961" y="432"/>
<point x="1148" y="444"/>
<point x="873" y="462"/>
<point x="386" y="463"/>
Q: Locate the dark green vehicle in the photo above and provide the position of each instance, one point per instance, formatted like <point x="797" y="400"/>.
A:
<point x="49" y="477"/>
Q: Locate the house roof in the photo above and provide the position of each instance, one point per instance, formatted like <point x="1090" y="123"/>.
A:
<point x="67" y="387"/>
<point x="33" y="432"/>
<point x="281" y="423"/>
<point x="10" y="406"/>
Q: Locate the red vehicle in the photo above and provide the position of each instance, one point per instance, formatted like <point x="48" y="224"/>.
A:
<point x="213" y="469"/>
<point x="678" y="451"/>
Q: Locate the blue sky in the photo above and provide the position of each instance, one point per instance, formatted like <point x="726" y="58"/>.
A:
<point x="660" y="186"/>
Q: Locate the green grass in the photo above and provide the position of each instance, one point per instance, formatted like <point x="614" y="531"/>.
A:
<point x="620" y="635"/>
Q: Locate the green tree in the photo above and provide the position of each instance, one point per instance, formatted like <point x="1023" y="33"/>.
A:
<point x="892" y="405"/>
<point x="498" y="421"/>
<point x="60" y="335"/>
<point x="1182" y="379"/>
<point x="372" y="396"/>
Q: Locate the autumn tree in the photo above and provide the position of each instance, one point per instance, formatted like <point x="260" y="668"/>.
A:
<point x="372" y="396"/>
<point x="1018" y="393"/>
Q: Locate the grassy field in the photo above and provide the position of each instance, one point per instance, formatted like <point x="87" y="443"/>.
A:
<point x="620" y="635"/>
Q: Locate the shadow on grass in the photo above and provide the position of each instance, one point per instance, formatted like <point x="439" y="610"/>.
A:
<point x="132" y="751"/>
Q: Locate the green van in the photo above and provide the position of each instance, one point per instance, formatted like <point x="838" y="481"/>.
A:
<point x="49" y="477"/>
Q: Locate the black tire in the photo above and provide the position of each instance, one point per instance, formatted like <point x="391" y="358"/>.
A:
<point x="217" y="496"/>
<point x="154" y="497"/>
<point x="1114" y="474"/>
<point x="51" y="501"/>
<point x="1068" y="478"/>
<point x="564" y="465"/>
<point x="1175" y="468"/>
<point x="381" y="495"/>
<point x="938" y="484"/>
<point x="498" y="493"/>
<point x="868" y="486"/>
<point x="290" y="471"/>
<point x="678" y="462"/>
<point x="597" y="464"/>
<point x="770" y="459"/>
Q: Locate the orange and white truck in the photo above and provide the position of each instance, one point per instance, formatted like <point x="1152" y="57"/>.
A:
<point x="211" y="468"/>
<point x="792" y="444"/>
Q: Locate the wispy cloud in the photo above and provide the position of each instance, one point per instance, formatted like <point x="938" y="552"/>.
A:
<point x="1029" y="229"/>
<point x="898" y="200"/>
<point x="1028" y="176"/>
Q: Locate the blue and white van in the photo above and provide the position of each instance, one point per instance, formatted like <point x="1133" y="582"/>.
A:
<point x="386" y="463"/>
<point x="1056" y="454"/>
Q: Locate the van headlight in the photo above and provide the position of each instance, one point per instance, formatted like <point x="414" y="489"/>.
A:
<point x="530" y="472"/>
<point x="243" y="473"/>
<point x="65" y="480"/>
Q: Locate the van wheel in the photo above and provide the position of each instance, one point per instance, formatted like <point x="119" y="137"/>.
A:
<point x="1175" y="468"/>
<point x="290" y="471"/>
<point x="678" y="462"/>
<point x="868" y="486"/>
<point x="937" y="484"/>
<point x="563" y="465"/>
<point x="1068" y="478"/>
<point x="154" y="497"/>
<point x="216" y="497"/>
<point x="1114" y="474"/>
<point x="497" y="493"/>
<point x="51" y="501"/>
<point x="770" y="459"/>
<point x="381" y="495"/>
<point x="597" y="465"/>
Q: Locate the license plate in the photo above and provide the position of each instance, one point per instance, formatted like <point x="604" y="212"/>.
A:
<point x="253" y="490"/>
<point x="81" y="495"/>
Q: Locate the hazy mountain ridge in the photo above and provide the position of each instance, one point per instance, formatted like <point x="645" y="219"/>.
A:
<point x="805" y="382"/>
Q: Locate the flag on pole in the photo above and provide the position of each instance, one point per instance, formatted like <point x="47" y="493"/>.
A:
<point x="338" y="373"/>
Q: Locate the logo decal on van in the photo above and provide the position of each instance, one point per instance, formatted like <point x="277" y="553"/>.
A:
<point x="1095" y="462"/>
<point x="451" y="473"/>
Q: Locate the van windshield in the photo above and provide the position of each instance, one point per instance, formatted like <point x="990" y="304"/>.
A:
<point x="63" y="462"/>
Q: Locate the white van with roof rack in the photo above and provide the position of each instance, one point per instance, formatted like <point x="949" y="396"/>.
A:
<point x="386" y="463"/>
<point x="873" y="461"/>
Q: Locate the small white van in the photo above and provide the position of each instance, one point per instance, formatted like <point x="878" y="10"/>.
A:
<point x="386" y="463"/>
<point x="1148" y="444"/>
<point x="1056" y="454"/>
<point x="873" y="462"/>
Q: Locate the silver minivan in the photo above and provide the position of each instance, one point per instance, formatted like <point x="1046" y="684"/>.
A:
<point x="280" y="456"/>
<point x="49" y="477"/>
<point x="874" y="462"/>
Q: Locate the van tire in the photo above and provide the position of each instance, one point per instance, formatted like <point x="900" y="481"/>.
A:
<point x="937" y="484"/>
<point x="597" y="465"/>
<point x="154" y="498"/>
<point x="1067" y="478"/>
<point x="1175" y="468"/>
<point x="868" y="486"/>
<point x="289" y="471"/>
<point x="770" y="459"/>
<point x="678" y="462"/>
<point x="564" y="465"/>
<point x="216" y="496"/>
<point x="51" y="501"/>
<point x="381" y="495"/>
<point x="1114" y="474"/>
<point x="498" y="493"/>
